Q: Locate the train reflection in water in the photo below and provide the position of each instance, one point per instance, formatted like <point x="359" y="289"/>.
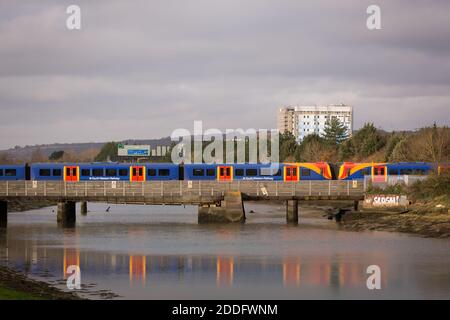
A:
<point x="225" y="271"/>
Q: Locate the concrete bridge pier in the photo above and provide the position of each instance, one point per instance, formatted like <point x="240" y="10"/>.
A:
<point x="292" y="212"/>
<point x="231" y="210"/>
<point x="66" y="215"/>
<point x="3" y="214"/>
<point x="83" y="208"/>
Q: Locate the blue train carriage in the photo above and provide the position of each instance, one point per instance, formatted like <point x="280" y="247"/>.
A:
<point x="230" y="172"/>
<point x="409" y="168"/>
<point x="379" y="172"/>
<point x="12" y="172"/>
<point x="249" y="171"/>
<point x="103" y="172"/>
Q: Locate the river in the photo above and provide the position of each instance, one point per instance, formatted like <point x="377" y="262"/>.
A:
<point x="160" y="252"/>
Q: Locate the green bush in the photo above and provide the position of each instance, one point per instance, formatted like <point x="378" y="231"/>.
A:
<point x="434" y="186"/>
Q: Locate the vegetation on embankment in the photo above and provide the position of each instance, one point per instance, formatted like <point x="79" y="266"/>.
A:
<point x="15" y="286"/>
<point x="25" y="205"/>
<point x="428" y="215"/>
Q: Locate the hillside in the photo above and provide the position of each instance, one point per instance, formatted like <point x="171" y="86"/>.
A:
<point x="81" y="151"/>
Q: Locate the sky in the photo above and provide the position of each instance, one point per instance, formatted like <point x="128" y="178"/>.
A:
<point x="141" y="69"/>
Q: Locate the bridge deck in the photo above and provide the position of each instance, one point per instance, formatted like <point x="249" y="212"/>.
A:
<point x="178" y="192"/>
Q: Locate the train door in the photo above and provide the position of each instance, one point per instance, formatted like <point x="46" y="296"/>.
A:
<point x="291" y="173"/>
<point x="379" y="174"/>
<point x="224" y="173"/>
<point x="137" y="173"/>
<point x="71" y="173"/>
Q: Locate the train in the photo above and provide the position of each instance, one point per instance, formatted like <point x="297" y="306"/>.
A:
<point x="112" y="171"/>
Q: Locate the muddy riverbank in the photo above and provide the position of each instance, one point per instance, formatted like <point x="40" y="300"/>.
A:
<point x="16" y="286"/>
<point x="426" y="218"/>
<point x="25" y="205"/>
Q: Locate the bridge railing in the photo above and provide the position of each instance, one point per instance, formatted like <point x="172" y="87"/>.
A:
<point x="178" y="190"/>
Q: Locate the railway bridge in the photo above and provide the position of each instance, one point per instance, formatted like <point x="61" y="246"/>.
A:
<point x="217" y="201"/>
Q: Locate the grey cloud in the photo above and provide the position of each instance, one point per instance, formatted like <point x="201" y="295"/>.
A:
<point x="144" y="68"/>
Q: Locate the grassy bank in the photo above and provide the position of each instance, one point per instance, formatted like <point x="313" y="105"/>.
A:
<point x="16" y="286"/>
<point x="429" y="214"/>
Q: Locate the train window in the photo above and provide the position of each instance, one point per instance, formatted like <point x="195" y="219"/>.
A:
<point x="294" y="171"/>
<point x="134" y="172"/>
<point x="251" y="172"/>
<point x="97" y="172"/>
<point x="393" y="172"/>
<point x="164" y="172"/>
<point x="123" y="172"/>
<point x="270" y="172"/>
<point x="419" y="172"/>
<point x="406" y="171"/>
<point x="228" y="172"/>
<point x="198" y="172"/>
<point x="141" y="171"/>
<point x="10" y="172"/>
<point x="1" y="172"/>
<point x="305" y="172"/>
<point x="239" y="172"/>
<point x="44" y="172"/>
<point x="57" y="172"/>
<point x="85" y="172"/>
<point x="151" y="172"/>
<point x="210" y="172"/>
<point x="288" y="171"/>
<point x="68" y="172"/>
<point x="111" y="172"/>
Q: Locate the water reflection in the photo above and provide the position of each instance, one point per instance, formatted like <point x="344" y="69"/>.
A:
<point x="290" y="272"/>
<point x="176" y="260"/>
<point x="138" y="269"/>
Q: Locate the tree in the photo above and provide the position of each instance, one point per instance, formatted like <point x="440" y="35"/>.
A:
<point x="335" y="132"/>
<point x="37" y="156"/>
<point x="56" y="155"/>
<point x="288" y="147"/>
<point x="362" y="144"/>
<point x="108" y="152"/>
<point x="315" y="148"/>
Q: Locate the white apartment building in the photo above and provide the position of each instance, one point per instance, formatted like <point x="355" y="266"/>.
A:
<point x="305" y="120"/>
